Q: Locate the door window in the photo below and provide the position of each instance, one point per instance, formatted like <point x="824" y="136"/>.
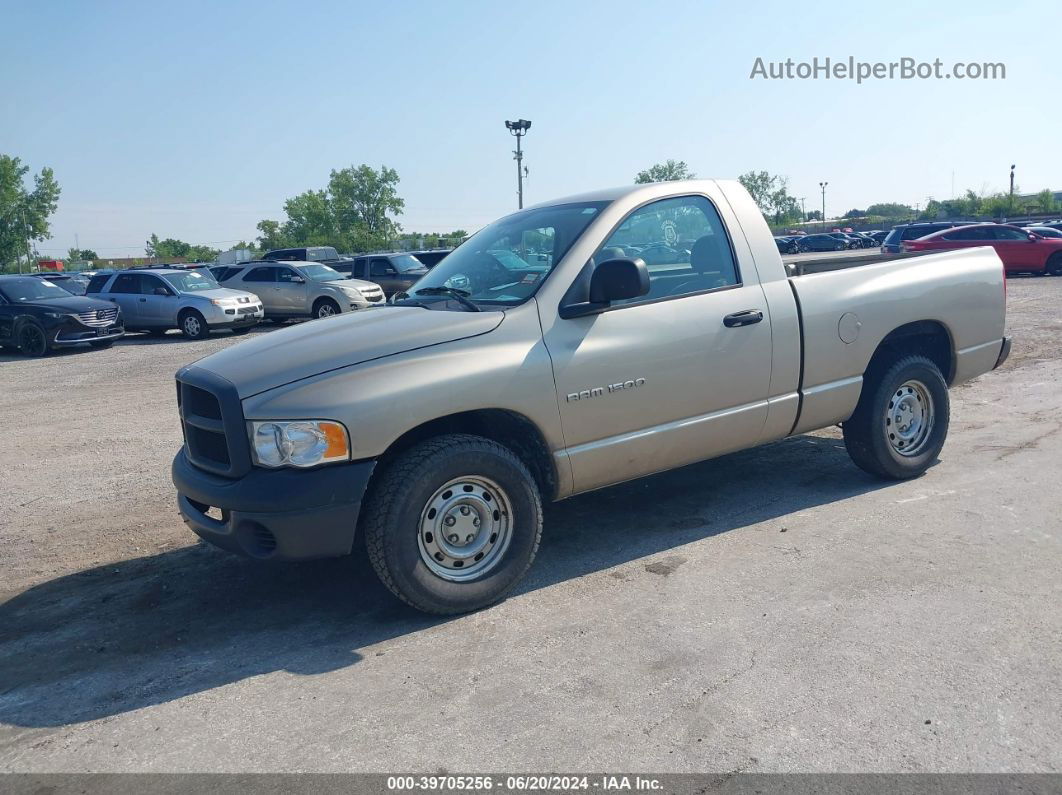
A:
<point x="1002" y="233"/>
<point x="381" y="267"/>
<point x="267" y="274"/>
<point x="128" y="283"/>
<point x="682" y="241"/>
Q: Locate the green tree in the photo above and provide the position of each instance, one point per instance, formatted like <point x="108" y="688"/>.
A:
<point x="855" y="214"/>
<point x="1045" y="202"/>
<point x="890" y="210"/>
<point x="24" y="213"/>
<point x="355" y="212"/>
<point x="363" y="201"/>
<point x="81" y="254"/>
<point x="270" y="235"/>
<point x="771" y="194"/>
<point x="670" y="171"/>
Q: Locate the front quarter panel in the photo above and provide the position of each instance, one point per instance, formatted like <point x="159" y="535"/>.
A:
<point x="378" y="401"/>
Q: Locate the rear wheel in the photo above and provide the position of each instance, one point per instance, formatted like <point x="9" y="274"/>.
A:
<point x="193" y="325"/>
<point x="452" y="524"/>
<point x="1054" y="264"/>
<point x="32" y="340"/>
<point x="901" y="421"/>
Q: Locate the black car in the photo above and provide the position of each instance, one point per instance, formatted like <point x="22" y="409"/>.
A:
<point x="865" y="240"/>
<point x="850" y="241"/>
<point x="37" y="316"/>
<point x="395" y="272"/>
<point x="787" y="244"/>
<point x="326" y="254"/>
<point x="824" y="242"/>
<point x="893" y="242"/>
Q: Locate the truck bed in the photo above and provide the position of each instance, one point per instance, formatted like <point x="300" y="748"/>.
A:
<point x="797" y="265"/>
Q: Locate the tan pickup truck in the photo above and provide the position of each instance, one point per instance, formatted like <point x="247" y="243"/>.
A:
<point x="569" y="346"/>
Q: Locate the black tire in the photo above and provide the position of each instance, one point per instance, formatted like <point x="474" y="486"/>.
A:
<point x="325" y="307"/>
<point x="868" y="434"/>
<point x="394" y="512"/>
<point x="193" y="325"/>
<point x="102" y="344"/>
<point x="32" y="340"/>
<point x="1054" y="265"/>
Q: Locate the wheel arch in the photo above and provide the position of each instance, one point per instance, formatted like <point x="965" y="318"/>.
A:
<point x="929" y="338"/>
<point x="508" y="428"/>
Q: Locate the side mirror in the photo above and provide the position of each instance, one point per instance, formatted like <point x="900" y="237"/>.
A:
<point x="161" y="291"/>
<point x="297" y="280"/>
<point x="618" y="279"/>
<point x="1033" y="237"/>
<point x="613" y="280"/>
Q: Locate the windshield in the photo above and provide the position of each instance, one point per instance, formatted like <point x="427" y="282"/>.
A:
<point x="192" y="282"/>
<point x="505" y="262"/>
<point x="404" y="263"/>
<point x="30" y="289"/>
<point x="320" y="273"/>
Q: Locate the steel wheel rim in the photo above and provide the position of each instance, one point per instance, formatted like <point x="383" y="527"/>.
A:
<point x="326" y="310"/>
<point x="909" y="418"/>
<point x="31" y="339"/>
<point x="465" y="528"/>
<point x="191" y="325"/>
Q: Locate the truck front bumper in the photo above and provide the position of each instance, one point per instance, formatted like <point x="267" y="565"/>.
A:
<point x="279" y="514"/>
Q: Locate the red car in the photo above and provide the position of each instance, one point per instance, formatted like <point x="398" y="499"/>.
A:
<point x="1022" y="251"/>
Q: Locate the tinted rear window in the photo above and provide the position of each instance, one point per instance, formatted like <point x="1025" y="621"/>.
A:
<point x="915" y="232"/>
<point x="96" y="283"/>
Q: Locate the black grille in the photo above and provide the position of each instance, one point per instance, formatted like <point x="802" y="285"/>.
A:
<point x="212" y="421"/>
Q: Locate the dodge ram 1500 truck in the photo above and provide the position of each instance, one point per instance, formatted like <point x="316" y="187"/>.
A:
<point x="569" y="346"/>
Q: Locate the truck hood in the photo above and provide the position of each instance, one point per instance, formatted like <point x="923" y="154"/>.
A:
<point x="280" y="357"/>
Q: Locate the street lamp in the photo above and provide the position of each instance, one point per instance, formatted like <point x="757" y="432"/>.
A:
<point x="1010" y="204"/>
<point x="803" y="211"/>
<point x="823" y="186"/>
<point x="519" y="129"/>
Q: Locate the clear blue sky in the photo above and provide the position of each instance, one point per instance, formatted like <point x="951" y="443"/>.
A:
<point x="195" y="120"/>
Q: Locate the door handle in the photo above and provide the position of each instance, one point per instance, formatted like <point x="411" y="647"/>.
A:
<point x="745" y="318"/>
<point x="143" y="300"/>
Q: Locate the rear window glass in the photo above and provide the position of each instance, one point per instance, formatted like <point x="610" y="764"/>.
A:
<point x="96" y="283"/>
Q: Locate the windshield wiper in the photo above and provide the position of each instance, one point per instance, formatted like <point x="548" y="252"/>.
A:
<point x="461" y="296"/>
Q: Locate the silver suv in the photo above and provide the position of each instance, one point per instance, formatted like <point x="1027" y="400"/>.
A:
<point x="291" y="289"/>
<point x="158" y="299"/>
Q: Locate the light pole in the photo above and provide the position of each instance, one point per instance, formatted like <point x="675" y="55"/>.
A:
<point x="1010" y="202"/>
<point x="519" y="129"/>
<point x="823" y="186"/>
<point x="803" y="211"/>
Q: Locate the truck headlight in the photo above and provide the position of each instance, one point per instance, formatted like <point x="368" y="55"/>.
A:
<point x="298" y="443"/>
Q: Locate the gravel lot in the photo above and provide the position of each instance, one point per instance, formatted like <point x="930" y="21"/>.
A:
<point x="774" y="610"/>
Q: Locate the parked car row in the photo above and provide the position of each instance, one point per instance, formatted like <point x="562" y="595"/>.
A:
<point x="797" y="244"/>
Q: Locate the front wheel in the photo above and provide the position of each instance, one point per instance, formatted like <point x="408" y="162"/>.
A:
<point x="194" y="326"/>
<point x="32" y="340"/>
<point x="452" y="524"/>
<point x="325" y="307"/>
<point x="900" y="424"/>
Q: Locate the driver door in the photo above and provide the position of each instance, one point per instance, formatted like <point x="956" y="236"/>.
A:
<point x="667" y="378"/>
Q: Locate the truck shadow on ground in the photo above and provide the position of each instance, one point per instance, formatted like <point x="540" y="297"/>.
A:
<point x="151" y="630"/>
